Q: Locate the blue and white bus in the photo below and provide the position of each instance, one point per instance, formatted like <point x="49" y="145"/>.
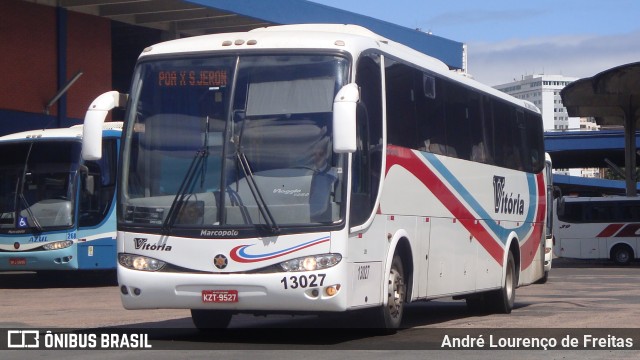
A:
<point x="320" y="168"/>
<point x="57" y="212"/>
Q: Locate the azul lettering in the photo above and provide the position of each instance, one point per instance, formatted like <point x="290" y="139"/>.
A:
<point x="506" y="203"/>
<point x="39" y="238"/>
<point x="142" y="244"/>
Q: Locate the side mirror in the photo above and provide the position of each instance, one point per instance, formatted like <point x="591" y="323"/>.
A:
<point x="344" y="119"/>
<point x="93" y="121"/>
<point x="560" y="206"/>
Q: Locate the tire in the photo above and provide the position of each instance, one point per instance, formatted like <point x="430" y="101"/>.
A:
<point x="476" y="304"/>
<point x="544" y="278"/>
<point x="208" y="320"/>
<point x="504" y="298"/>
<point x="391" y="314"/>
<point x="621" y="254"/>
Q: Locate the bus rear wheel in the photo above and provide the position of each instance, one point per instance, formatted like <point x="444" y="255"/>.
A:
<point x="208" y="320"/>
<point x="621" y="254"/>
<point x="504" y="298"/>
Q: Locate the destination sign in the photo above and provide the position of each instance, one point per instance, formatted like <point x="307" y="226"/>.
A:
<point x="176" y="78"/>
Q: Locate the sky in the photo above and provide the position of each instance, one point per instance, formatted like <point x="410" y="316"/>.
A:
<point x="508" y="39"/>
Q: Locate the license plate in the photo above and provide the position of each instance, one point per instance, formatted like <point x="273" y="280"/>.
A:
<point x="219" y="296"/>
<point x="17" y="261"/>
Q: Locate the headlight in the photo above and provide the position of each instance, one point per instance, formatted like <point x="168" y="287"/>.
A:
<point x="57" y="245"/>
<point x="138" y="262"/>
<point x="310" y="263"/>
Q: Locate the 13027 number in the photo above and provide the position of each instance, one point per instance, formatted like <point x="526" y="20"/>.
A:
<point x="302" y="281"/>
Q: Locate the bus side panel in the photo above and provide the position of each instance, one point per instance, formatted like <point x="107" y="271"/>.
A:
<point x="579" y="241"/>
<point x="489" y="271"/>
<point x="453" y="258"/>
<point x="590" y="249"/>
<point x="365" y="279"/>
<point x="421" y="257"/>
<point x="97" y="254"/>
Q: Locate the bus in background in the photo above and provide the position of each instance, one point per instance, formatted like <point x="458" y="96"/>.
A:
<point x="57" y="212"/>
<point x="598" y="228"/>
<point x="320" y="168"/>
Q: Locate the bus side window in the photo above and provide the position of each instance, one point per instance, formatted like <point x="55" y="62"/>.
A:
<point x="97" y="186"/>
<point x="560" y="208"/>
<point x="367" y="160"/>
<point x="90" y="188"/>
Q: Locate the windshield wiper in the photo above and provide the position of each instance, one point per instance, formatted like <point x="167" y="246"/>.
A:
<point x="20" y="193"/>
<point x="184" y="190"/>
<point x="255" y="191"/>
<point x="253" y="186"/>
<point x="198" y="164"/>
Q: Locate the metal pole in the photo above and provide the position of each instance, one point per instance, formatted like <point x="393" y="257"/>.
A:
<point x="630" y="150"/>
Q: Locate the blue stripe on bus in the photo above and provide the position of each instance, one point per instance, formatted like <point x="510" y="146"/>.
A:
<point x="521" y="231"/>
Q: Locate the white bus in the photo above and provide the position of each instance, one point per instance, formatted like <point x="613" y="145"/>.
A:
<point x="321" y="168"/>
<point x="57" y="212"/>
<point x="598" y="228"/>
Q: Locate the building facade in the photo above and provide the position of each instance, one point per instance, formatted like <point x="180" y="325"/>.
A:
<point x="544" y="92"/>
<point x="88" y="47"/>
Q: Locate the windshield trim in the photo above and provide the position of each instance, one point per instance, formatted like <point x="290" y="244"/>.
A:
<point x="196" y="230"/>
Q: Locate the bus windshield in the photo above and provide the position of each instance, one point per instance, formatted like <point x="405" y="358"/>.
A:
<point x="233" y="141"/>
<point x="37" y="183"/>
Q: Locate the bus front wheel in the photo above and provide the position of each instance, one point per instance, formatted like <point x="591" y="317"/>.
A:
<point x="396" y="291"/>
<point x="208" y="320"/>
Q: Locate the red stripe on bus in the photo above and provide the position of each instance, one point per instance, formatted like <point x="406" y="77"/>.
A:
<point x="610" y="230"/>
<point x="531" y="244"/>
<point x="413" y="164"/>
<point x="630" y="230"/>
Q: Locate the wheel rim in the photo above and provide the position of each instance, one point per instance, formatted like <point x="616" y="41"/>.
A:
<point x="509" y="283"/>
<point x="396" y="293"/>
<point x="622" y="256"/>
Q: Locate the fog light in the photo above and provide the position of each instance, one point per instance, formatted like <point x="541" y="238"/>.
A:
<point x="137" y="291"/>
<point x="332" y="290"/>
<point x="124" y="290"/>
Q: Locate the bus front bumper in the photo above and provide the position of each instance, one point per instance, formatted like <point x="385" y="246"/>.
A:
<point x="315" y="291"/>
<point x="63" y="259"/>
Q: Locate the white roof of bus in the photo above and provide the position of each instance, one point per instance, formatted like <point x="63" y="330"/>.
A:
<point x="351" y="38"/>
<point x="70" y="132"/>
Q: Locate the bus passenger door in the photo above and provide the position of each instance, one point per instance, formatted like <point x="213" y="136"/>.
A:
<point x="96" y="213"/>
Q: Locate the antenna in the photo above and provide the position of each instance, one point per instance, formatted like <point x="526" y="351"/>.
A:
<point x="62" y="92"/>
